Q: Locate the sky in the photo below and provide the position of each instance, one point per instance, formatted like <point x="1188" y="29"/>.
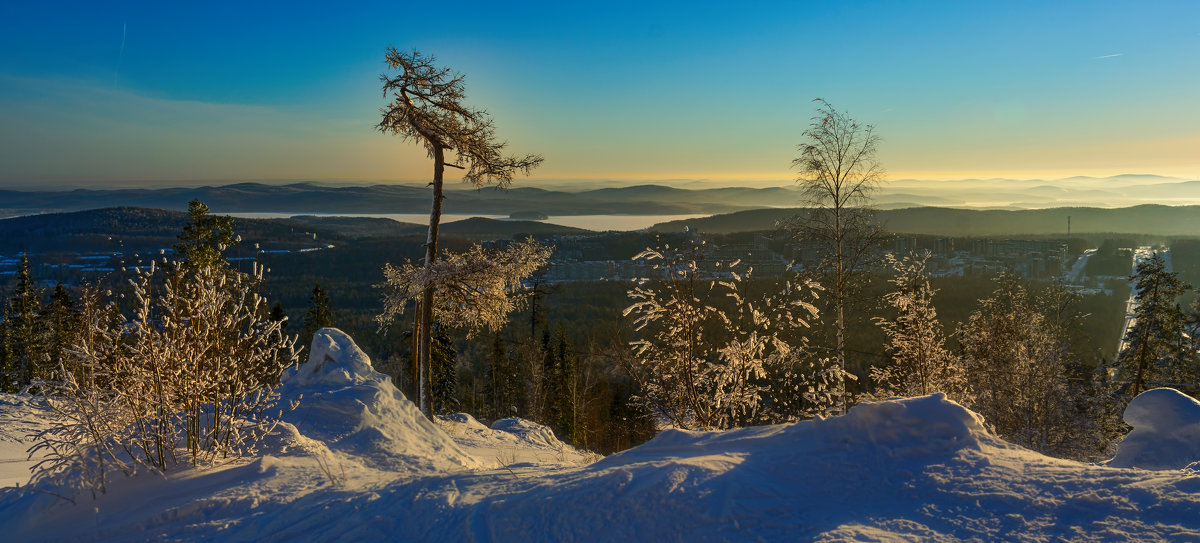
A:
<point x="105" y="94"/>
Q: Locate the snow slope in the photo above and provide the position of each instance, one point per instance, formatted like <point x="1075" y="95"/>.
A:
<point x="356" y="462"/>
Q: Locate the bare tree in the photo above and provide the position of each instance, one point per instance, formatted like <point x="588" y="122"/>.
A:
<point x="838" y="174"/>
<point x="427" y="108"/>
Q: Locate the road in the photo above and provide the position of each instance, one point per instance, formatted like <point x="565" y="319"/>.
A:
<point x="1076" y="270"/>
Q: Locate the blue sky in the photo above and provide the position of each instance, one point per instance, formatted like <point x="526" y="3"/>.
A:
<point x="120" y="93"/>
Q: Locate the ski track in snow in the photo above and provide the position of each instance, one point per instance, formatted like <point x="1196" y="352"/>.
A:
<point x="357" y="462"/>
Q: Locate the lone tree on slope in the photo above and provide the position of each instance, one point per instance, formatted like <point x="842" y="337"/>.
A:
<point x="427" y="107"/>
<point x="838" y="174"/>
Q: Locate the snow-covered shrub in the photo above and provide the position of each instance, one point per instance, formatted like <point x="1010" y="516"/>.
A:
<point x="706" y="353"/>
<point x="188" y="377"/>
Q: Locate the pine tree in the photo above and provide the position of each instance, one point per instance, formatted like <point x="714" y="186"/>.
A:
<point x="920" y="363"/>
<point x="428" y="108"/>
<point x="1156" y="347"/>
<point x="319" y="315"/>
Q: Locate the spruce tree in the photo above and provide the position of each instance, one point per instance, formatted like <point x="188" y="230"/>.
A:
<point x="278" y="315"/>
<point x="60" y="323"/>
<point x="319" y="315"/>
<point x="7" y="358"/>
<point x="25" y="340"/>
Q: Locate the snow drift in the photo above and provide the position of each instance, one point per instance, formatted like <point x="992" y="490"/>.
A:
<point x="1166" y="431"/>
<point x="356" y="461"/>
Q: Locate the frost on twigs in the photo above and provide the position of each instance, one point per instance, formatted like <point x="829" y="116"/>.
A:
<point x="188" y="377"/>
<point x="707" y="356"/>
<point x="473" y="288"/>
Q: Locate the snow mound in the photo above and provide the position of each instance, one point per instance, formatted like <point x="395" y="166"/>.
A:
<point x="529" y="433"/>
<point x="912" y="429"/>
<point x="1166" y="431"/>
<point x="342" y="401"/>
<point x="512" y="442"/>
<point x="333" y="358"/>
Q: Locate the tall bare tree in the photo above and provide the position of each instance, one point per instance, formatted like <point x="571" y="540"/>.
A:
<point x="427" y="108"/>
<point x="838" y="174"/>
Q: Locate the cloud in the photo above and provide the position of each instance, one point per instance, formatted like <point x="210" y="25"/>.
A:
<point x="1108" y="56"/>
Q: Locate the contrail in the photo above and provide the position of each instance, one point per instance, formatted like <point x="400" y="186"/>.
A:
<point x="121" y="55"/>
<point x="1107" y="56"/>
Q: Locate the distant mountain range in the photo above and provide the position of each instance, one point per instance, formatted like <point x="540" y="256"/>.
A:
<point x="940" y="221"/>
<point x="308" y="198"/>
<point x="656" y="199"/>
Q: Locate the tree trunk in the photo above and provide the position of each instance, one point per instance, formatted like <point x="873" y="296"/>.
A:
<point x="840" y="301"/>
<point x="414" y="371"/>
<point x="435" y="217"/>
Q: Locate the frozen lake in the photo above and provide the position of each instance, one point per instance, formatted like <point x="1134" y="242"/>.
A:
<point x="589" y="222"/>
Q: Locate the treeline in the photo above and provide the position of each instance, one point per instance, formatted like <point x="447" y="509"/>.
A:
<point x="564" y="360"/>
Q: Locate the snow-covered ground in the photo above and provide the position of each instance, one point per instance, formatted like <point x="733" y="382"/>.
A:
<point x="357" y="462"/>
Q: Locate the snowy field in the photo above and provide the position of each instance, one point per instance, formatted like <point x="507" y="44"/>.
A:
<point x="355" y="461"/>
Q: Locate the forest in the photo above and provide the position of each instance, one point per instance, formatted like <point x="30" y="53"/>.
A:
<point x="563" y="359"/>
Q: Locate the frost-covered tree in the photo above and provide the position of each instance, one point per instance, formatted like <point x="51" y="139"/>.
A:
<point x="1017" y="370"/>
<point x="839" y="172"/>
<point x="427" y="108"/>
<point x="705" y="352"/>
<point x="474" y="289"/>
<point x="920" y="362"/>
<point x="1156" y="346"/>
